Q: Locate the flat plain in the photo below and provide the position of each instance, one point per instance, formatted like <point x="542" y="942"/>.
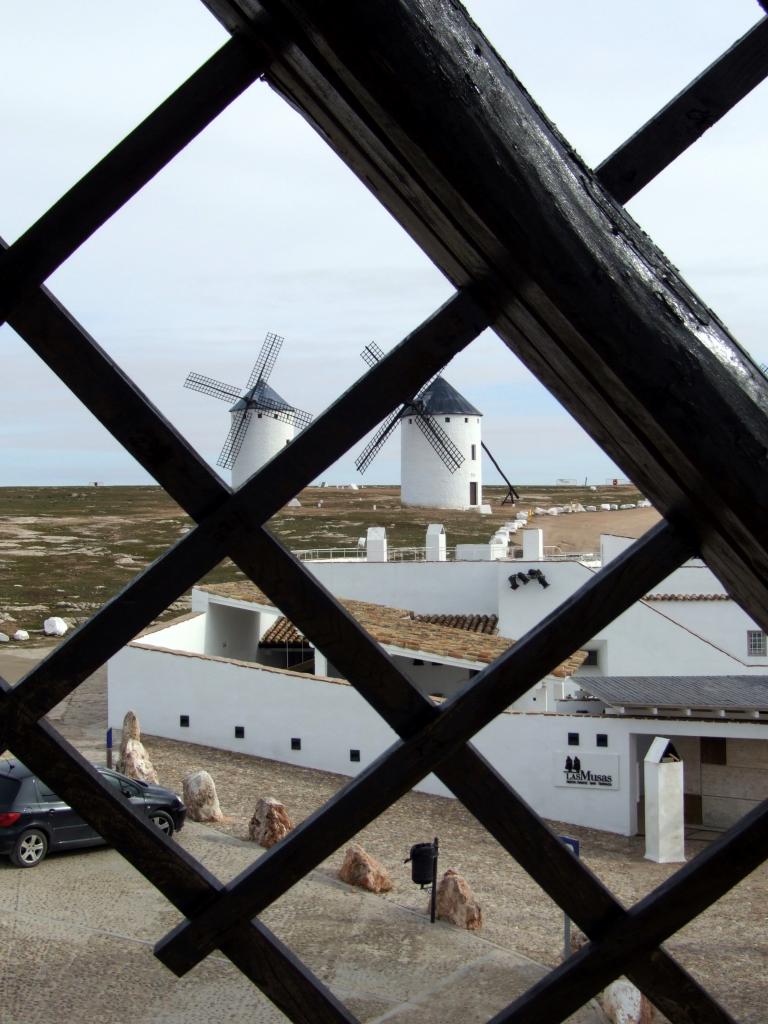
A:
<point x="67" y="550"/>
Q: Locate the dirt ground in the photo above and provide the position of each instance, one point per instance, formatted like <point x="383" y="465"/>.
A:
<point x="726" y="948"/>
<point x="66" y="551"/>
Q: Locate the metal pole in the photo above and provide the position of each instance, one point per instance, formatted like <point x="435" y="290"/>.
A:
<point x="575" y="847"/>
<point x="433" y="903"/>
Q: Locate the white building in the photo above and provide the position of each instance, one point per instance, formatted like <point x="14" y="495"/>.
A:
<point x="234" y="675"/>
<point x="269" y="429"/>
<point x="425" y="480"/>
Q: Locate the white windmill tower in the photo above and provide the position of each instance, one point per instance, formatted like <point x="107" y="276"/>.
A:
<point x="262" y="422"/>
<point x="440" y="446"/>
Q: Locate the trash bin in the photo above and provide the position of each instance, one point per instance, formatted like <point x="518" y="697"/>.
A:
<point x="422" y="858"/>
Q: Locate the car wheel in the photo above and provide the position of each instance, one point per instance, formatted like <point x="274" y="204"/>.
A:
<point x="30" y="848"/>
<point x="163" y="821"/>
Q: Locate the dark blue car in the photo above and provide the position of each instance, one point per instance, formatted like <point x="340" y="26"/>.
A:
<point x="34" y="820"/>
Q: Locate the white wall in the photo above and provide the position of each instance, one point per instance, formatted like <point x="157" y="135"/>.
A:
<point x="331" y="719"/>
<point x="641" y="641"/>
<point x="424" y="478"/>
<point x="424" y="587"/>
<point x="185" y="635"/>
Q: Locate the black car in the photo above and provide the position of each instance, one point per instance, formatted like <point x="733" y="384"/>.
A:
<point x="33" y="820"/>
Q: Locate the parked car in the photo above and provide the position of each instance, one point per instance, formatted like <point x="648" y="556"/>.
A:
<point x="34" y="820"/>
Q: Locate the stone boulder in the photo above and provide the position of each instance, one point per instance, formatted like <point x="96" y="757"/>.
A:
<point x="360" y="868"/>
<point x="456" y="902"/>
<point x="270" y="822"/>
<point x="131" y="731"/>
<point x="135" y="762"/>
<point x="4" y="638"/>
<point x="200" y="797"/>
<point x="54" y="626"/>
<point x="21" y="634"/>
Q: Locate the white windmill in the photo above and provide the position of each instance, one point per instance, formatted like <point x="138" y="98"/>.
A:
<point x="262" y="422"/>
<point x="440" y="446"/>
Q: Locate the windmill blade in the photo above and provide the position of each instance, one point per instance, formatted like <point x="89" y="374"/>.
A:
<point x="371" y="450"/>
<point x="449" y="454"/>
<point x="277" y="410"/>
<point x="301" y="419"/>
<point x="235" y="438"/>
<point x="266" y="360"/>
<point x="209" y="386"/>
<point x="372" y="354"/>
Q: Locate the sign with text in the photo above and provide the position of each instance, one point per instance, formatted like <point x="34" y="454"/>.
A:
<point x="575" y="770"/>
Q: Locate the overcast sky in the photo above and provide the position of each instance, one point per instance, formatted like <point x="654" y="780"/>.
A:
<point x="257" y="226"/>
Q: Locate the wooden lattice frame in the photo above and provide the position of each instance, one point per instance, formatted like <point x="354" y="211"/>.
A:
<point x="539" y="248"/>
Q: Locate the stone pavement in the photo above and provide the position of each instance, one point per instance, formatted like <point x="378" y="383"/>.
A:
<point x="77" y="933"/>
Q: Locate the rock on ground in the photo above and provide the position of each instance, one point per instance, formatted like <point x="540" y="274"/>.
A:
<point x="621" y="1001"/>
<point x="200" y="797"/>
<point x="270" y="822"/>
<point x="131" y="731"/>
<point x="54" y="626"/>
<point x="135" y="762"/>
<point x="360" y="868"/>
<point x="3" y="638"/>
<point x="456" y="902"/>
<point x="21" y="634"/>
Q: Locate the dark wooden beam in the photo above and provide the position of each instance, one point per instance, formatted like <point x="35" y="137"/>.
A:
<point x="416" y="101"/>
<point x="35" y="255"/>
<point x="118" y="404"/>
<point x="660" y="914"/>
<point x="685" y="118"/>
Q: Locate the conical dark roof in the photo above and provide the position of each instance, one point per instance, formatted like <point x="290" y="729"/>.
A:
<point x="262" y="396"/>
<point x="442" y="399"/>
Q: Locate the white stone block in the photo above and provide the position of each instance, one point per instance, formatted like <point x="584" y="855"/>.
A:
<point x="54" y="626"/>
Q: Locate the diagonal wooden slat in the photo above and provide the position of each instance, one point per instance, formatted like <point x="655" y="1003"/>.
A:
<point x="35" y="255"/>
<point x="349" y="418"/>
<point x="615" y="396"/>
<point x="184" y="486"/>
<point x="660" y="914"/>
<point x="685" y="118"/>
<point x="178" y="876"/>
<point x="615" y="588"/>
<point x="492" y="192"/>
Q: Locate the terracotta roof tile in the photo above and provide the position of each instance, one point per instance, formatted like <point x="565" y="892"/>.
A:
<point x="487" y="624"/>
<point x="687" y="597"/>
<point x="398" y="627"/>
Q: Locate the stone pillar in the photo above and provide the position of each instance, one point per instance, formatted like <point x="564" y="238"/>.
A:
<point x="533" y="545"/>
<point x="664" y="804"/>
<point x="435" y="542"/>
<point x="376" y="544"/>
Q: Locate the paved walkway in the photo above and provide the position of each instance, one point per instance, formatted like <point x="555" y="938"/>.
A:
<point x="77" y="935"/>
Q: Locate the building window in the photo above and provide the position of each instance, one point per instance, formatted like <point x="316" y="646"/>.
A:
<point x="295" y="743"/>
<point x="239" y="732"/>
<point x="591" y="659"/>
<point x="602" y="739"/>
<point x="756" y="645"/>
<point x="713" y="750"/>
<point x="410" y="421"/>
<point x="573" y="739"/>
<point x="447" y="419"/>
<point x="354" y="755"/>
<point x="466" y="419"/>
<point x="474" y="451"/>
<point x="184" y="721"/>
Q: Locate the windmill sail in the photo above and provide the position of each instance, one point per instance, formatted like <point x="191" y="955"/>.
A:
<point x="258" y="397"/>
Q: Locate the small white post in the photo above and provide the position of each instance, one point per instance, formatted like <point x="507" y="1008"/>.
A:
<point x="533" y="545"/>
<point x="664" y="804"/>
<point x="435" y="542"/>
<point x="376" y="544"/>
